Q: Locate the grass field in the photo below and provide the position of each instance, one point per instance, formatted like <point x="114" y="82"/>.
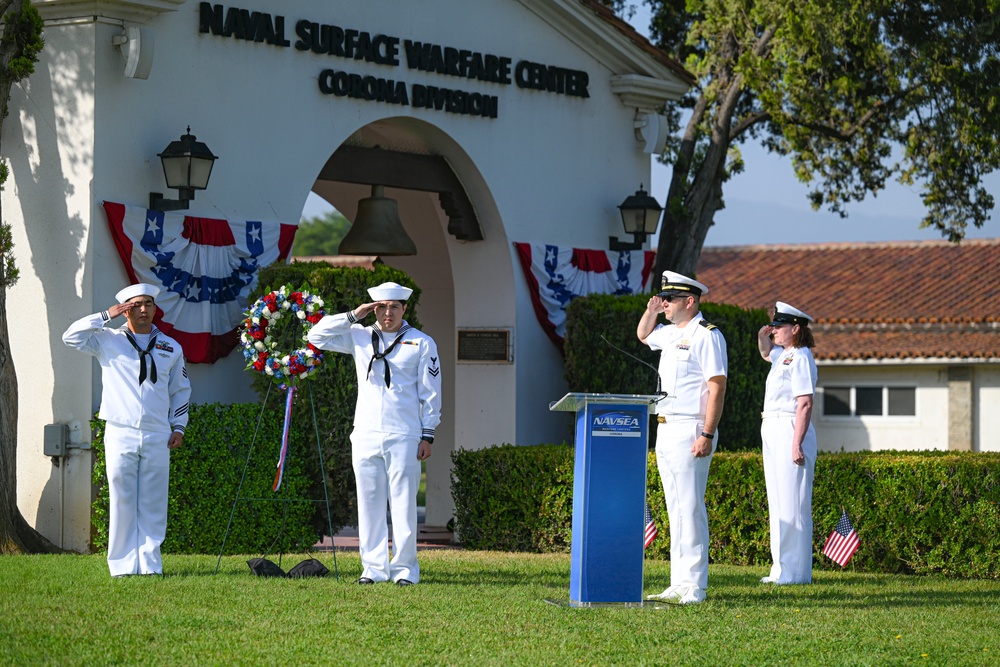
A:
<point x="477" y="608"/>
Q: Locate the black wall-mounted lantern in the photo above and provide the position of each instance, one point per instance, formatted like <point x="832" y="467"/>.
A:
<point x="640" y="216"/>
<point x="187" y="166"/>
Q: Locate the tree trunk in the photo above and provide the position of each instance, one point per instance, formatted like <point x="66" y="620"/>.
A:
<point x="16" y="536"/>
<point x="692" y="202"/>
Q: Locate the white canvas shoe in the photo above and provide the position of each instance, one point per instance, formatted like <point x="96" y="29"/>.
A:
<point x="672" y="594"/>
<point x="768" y="580"/>
<point x="693" y="595"/>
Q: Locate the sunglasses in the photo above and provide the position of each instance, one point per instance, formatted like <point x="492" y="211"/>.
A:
<point x="671" y="297"/>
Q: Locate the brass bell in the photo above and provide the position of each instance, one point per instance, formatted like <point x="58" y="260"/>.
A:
<point x="377" y="229"/>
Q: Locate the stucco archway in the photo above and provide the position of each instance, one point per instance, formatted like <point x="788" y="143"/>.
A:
<point x="446" y="208"/>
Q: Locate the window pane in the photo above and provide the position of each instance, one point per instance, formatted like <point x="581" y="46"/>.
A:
<point x="903" y="401"/>
<point x="836" y="400"/>
<point x="868" y="401"/>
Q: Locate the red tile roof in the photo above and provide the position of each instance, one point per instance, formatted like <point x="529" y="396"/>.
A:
<point x="926" y="299"/>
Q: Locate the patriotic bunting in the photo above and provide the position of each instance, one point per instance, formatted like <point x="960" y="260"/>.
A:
<point x="556" y="275"/>
<point x="204" y="267"/>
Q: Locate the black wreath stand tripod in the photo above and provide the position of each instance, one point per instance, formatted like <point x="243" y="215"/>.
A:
<point x="285" y="500"/>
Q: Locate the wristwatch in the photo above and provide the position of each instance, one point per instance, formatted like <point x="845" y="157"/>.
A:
<point x="710" y="436"/>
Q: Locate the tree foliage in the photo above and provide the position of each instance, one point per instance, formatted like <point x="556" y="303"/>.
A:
<point x="856" y="92"/>
<point x="320" y="236"/>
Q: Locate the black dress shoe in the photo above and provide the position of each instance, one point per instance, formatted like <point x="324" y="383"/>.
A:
<point x="405" y="582"/>
<point x="366" y="580"/>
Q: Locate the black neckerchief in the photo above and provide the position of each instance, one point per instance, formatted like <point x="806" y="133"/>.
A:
<point x="381" y="355"/>
<point x="142" y="357"/>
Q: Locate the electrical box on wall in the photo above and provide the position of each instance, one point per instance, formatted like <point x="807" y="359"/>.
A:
<point x="54" y="439"/>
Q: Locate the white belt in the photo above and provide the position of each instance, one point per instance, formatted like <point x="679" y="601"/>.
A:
<point x="663" y="419"/>
<point x="776" y="413"/>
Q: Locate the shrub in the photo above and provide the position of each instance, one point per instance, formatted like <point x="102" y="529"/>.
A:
<point x="915" y="513"/>
<point x="205" y="473"/>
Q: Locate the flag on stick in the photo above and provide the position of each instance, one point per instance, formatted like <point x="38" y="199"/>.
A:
<point x="842" y="543"/>
<point x="651" y="531"/>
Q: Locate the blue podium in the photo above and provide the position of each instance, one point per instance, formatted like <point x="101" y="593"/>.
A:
<point x="609" y="495"/>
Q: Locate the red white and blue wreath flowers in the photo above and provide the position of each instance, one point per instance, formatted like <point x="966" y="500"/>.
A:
<point x="273" y="324"/>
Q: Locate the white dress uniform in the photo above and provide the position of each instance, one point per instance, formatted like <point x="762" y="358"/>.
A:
<point x="789" y="486"/>
<point x="399" y="404"/>
<point x="140" y="418"/>
<point x="689" y="356"/>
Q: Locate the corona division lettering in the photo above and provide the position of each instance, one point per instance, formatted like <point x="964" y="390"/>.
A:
<point x="368" y="88"/>
<point x="455" y="101"/>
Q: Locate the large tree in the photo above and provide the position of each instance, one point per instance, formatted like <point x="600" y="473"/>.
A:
<point x="856" y="92"/>
<point x="19" y="47"/>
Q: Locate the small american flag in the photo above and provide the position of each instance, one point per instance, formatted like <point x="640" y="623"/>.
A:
<point x="651" y="531"/>
<point x="842" y="543"/>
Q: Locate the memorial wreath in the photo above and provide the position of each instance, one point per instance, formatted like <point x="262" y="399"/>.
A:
<point x="273" y="325"/>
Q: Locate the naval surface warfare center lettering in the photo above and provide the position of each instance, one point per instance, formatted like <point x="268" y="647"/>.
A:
<point x="350" y="44"/>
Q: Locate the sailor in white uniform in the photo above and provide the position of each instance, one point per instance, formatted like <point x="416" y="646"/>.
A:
<point x="398" y="410"/>
<point x="144" y="403"/>
<point x="789" y="442"/>
<point x="693" y="369"/>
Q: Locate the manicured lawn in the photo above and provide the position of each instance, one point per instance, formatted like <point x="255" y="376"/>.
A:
<point x="477" y="608"/>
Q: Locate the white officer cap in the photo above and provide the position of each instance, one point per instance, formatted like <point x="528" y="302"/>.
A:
<point x="675" y="284"/>
<point x="141" y="289"/>
<point x="785" y="314"/>
<point x="389" y="292"/>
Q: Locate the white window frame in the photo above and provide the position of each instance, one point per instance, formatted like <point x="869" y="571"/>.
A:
<point x="821" y="390"/>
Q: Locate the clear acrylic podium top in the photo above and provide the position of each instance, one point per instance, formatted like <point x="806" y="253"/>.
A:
<point x="574" y="401"/>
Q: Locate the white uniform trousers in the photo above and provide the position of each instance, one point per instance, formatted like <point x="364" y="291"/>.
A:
<point x="685" y="478"/>
<point x="138" y="466"/>
<point x="387" y="470"/>
<point x="789" y="500"/>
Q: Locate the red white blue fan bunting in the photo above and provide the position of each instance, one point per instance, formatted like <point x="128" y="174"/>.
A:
<point x="204" y="267"/>
<point x="556" y="275"/>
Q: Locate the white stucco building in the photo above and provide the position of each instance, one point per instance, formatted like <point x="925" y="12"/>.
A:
<point x="490" y="122"/>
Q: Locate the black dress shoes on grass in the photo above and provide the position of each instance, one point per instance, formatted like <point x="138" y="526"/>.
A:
<point x="366" y="580"/>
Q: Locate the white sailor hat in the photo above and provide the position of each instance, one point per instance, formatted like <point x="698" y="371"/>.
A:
<point x="675" y="284"/>
<point x="140" y="289"/>
<point x="389" y="292"/>
<point x="785" y="314"/>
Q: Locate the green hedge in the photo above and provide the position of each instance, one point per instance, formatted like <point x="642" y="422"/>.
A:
<point x="593" y="366"/>
<point x="915" y="513"/>
<point x="205" y="473"/>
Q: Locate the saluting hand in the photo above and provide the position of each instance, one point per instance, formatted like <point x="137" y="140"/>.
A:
<point x="119" y="309"/>
<point x="364" y="310"/>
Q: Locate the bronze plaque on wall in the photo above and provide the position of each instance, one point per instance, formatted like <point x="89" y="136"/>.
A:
<point x="484" y="345"/>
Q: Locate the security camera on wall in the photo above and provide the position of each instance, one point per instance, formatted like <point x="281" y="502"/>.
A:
<point x="136" y="45"/>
